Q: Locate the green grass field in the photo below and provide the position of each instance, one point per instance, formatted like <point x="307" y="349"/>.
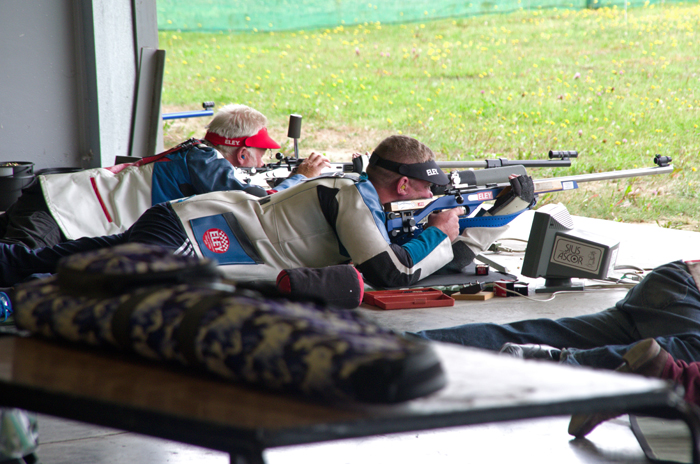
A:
<point x="617" y="87"/>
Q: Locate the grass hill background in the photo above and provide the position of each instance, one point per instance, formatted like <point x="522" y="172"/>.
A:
<point x="617" y="86"/>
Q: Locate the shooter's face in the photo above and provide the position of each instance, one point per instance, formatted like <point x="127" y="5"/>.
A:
<point x="418" y="189"/>
<point x="254" y="158"/>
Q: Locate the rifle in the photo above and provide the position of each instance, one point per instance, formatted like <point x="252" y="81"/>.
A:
<point x="207" y="111"/>
<point x="285" y="165"/>
<point x="470" y="189"/>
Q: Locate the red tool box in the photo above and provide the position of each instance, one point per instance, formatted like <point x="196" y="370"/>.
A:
<point x="406" y="299"/>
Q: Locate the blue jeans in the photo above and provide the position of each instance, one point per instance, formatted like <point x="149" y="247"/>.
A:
<point x="159" y="225"/>
<point x="665" y="305"/>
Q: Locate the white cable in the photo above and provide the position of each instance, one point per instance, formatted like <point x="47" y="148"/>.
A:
<point x="587" y="287"/>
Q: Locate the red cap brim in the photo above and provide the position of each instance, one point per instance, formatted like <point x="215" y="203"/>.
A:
<point x="261" y="140"/>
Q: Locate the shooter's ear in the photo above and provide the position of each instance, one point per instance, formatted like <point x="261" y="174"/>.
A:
<point x="402" y="186"/>
<point x="240" y="155"/>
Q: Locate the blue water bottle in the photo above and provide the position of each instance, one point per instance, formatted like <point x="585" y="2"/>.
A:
<point x="5" y="306"/>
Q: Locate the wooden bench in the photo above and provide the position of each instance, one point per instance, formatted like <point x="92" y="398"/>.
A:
<point x="121" y="391"/>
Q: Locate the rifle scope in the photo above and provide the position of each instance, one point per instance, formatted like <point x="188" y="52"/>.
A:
<point x="562" y="154"/>
<point x="503" y="162"/>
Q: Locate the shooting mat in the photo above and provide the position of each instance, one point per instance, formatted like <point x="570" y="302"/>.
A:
<point x="466" y="277"/>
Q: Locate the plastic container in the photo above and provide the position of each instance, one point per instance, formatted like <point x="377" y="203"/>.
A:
<point x="11" y="189"/>
<point x="46" y="171"/>
<point x="19" y="168"/>
<point x="406" y="299"/>
<point x="12" y="183"/>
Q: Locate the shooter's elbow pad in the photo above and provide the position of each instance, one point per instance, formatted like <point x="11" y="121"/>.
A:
<point x="479" y="239"/>
<point x="470" y="243"/>
<point x="256" y="191"/>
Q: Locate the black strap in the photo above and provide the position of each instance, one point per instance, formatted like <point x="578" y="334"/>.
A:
<point x="242" y="238"/>
<point x="121" y="320"/>
<point x="428" y="171"/>
<point x="189" y="325"/>
<point x="121" y="327"/>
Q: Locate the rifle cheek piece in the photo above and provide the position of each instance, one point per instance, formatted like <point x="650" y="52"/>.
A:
<point x="438" y="189"/>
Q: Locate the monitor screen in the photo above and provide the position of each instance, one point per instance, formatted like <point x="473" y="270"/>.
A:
<point x="559" y="252"/>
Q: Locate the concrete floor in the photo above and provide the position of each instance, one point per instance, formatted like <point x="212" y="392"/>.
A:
<point x="537" y="441"/>
<point x="542" y="441"/>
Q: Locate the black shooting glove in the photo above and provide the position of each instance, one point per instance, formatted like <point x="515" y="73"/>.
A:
<point x="520" y="195"/>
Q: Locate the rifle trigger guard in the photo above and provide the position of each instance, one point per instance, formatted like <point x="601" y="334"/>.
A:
<point x="408" y="222"/>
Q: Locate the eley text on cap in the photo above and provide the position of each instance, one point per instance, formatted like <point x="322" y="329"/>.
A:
<point x="259" y="140"/>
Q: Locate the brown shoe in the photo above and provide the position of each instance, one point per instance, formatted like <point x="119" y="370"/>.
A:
<point x="645" y="358"/>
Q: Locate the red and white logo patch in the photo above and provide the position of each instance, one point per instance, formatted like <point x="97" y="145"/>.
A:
<point x="216" y="240"/>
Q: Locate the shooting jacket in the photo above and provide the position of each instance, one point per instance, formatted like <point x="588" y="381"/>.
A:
<point x="106" y="201"/>
<point x="322" y="222"/>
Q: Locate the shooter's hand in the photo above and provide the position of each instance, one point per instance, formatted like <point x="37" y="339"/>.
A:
<point x="360" y="162"/>
<point x="447" y="221"/>
<point x="313" y="165"/>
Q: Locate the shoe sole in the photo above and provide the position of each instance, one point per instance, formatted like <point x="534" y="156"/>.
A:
<point x="582" y="424"/>
<point x="639" y="355"/>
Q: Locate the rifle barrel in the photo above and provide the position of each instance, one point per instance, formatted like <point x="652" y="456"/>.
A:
<point x="598" y="176"/>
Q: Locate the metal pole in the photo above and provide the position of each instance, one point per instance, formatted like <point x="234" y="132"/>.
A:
<point x="187" y="114"/>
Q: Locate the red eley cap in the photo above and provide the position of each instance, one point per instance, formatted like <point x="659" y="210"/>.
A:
<point x="259" y="140"/>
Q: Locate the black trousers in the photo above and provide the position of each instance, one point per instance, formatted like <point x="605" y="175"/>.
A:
<point x="159" y="225"/>
<point x="28" y="221"/>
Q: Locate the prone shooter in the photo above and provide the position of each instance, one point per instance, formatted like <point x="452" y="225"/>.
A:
<point x="501" y="180"/>
<point x="503" y="183"/>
